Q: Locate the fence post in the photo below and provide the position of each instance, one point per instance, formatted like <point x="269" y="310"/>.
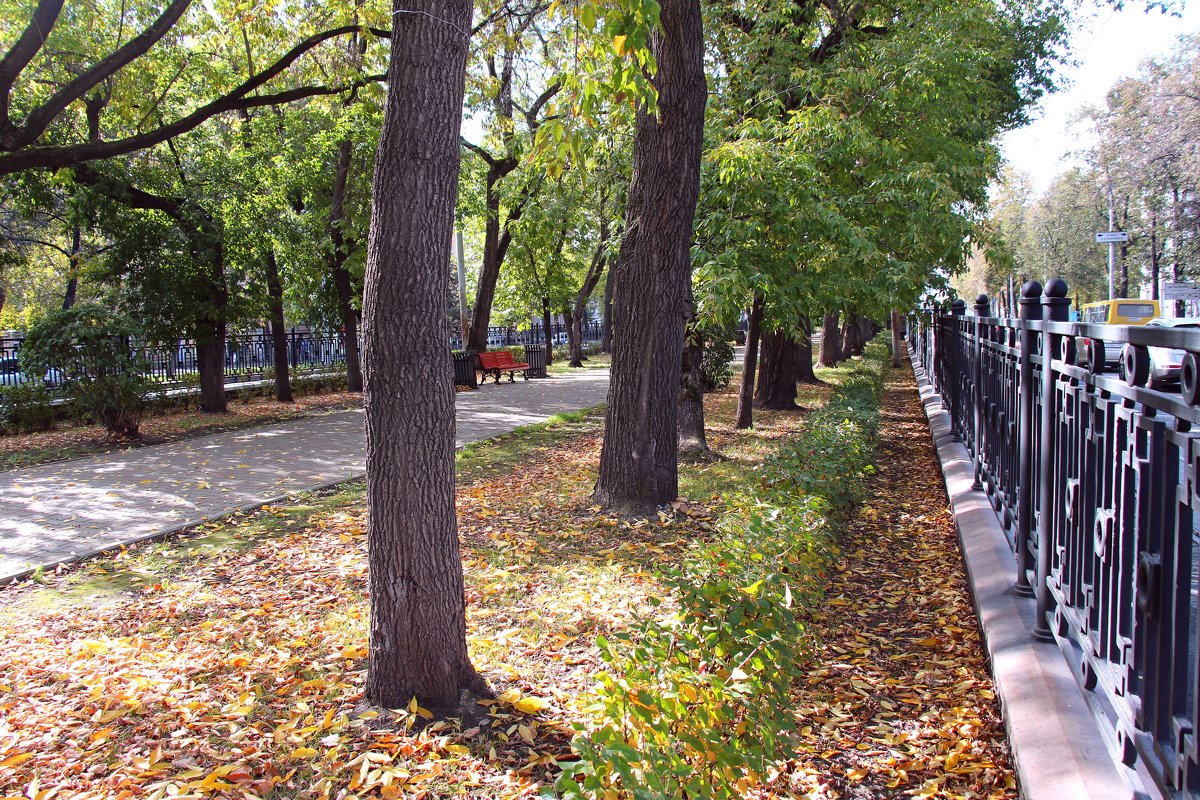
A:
<point x="1055" y="308"/>
<point x="1030" y="309"/>
<point x="983" y="309"/>
<point x="957" y="309"/>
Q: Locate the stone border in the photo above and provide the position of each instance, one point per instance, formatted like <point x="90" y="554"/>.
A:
<point x="1058" y="750"/>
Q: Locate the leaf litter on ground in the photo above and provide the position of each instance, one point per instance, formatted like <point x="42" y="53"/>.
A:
<point x="241" y="675"/>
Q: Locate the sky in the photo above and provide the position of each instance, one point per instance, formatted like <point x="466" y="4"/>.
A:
<point x="1109" y="45"/>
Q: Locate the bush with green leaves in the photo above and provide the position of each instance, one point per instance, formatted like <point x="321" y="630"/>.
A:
<point x="88" y="345"/>
<point x="26" y="408"/>
<point x="716" y="367"/>
<point x="693" y="702"/>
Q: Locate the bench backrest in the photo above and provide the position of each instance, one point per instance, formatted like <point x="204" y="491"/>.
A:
<point x="496" y="359"/>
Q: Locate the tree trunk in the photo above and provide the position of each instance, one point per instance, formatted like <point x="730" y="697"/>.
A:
<point x="415" y="580"/>
<point x="1154" y="265"/>
<point x="692" y="441"/>
<point x="778" y="371"/>
<point x="745" y="409"/>
<point x="866" y="332"/>
<point x="594" y="273"/>
<point x="547" y="333"/>
<point x="279" y="343"/>
<point x="606" y="324"/>
<point x="639" y="465"/>
<point x="210" y="361"/>
<point x="574" y="348"/>
<point x="897" y="340"/>
<point x="73" y="268"/>
<point x="849" y="332"/>
<point x="338" y="254"/>
<point x="831" y="340"/>
<point x="804" y="356"/>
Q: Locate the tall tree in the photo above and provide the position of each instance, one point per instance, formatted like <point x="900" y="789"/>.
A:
<point x="639" y="460"/>
<point x="418" y="642"/>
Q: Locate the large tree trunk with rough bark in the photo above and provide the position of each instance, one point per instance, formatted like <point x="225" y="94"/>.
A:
<point x="831" y="340"/>
<point x="338" y="255"/>
<point x="279" y="343"/>
<point x="692" y="441"/>
<point x="415" y="581"/>
<point x="778" y="370"/>
<point x="745" y="409"/>
<point x="639" y="464"/>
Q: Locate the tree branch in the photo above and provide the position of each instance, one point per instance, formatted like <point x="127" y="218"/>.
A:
<point x="41" y="117"/>
<point x="33" y="38"/>
<point x="57" y="157"/>
<point x="488" y="158"/>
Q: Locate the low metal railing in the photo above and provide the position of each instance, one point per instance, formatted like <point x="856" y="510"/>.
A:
<point x="1095" y="479"/>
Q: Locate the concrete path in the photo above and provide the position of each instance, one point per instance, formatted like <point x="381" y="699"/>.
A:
<point x="62" y="512"/>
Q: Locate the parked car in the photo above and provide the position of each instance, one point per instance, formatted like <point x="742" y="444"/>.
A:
<point x="1165" y="362"/>
<point x="11" y="374"/>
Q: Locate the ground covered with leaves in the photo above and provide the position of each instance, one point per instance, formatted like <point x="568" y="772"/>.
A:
<point x="230" y="662"/>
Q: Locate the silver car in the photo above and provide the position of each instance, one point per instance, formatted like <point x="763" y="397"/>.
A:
<point x="1165" y="362"/>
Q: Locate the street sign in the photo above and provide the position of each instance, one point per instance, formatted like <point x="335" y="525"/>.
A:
<point x="1180" y="291"/>
<point x="1108" y="237"/>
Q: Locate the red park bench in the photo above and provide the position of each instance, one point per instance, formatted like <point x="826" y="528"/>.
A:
<point x="495" y="362"/>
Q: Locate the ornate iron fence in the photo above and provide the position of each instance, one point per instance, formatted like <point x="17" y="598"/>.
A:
<point x="1095" y="479"/>
<point x="251" y="357"/>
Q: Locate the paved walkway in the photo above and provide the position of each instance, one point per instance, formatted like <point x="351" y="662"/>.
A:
<point x="61" y="512"/>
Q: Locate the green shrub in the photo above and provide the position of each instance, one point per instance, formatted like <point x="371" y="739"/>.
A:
<point x="693" y="703"/>
<point x="26" y="408"/>
<point x="715" y="366"/>
<point x="88" y="345"/>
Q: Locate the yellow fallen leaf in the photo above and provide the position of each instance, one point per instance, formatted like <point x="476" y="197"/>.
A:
<point x="531" y="705"/>
<point x="303" y="752"/>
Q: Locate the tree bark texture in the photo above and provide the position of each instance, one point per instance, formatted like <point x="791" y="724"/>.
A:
<point x="339" y="252"/>
<point x="418" y="626"/>
<point x="639" y="464"/>
<point x="692" y="441"/>
<point x="867" y="328"/>
<point x="745" y="409"/>
<point x="831" y="340"/>
<point x="279" y="342"/>
<point x="496" y="239"/>
<point x="778" y="371"/>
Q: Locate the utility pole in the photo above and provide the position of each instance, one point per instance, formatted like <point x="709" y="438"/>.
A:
<point x="1112" y="245"/>
<point x="462" y="289"/>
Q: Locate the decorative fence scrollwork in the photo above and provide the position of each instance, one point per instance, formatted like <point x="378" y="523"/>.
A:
<point x="1095" y="480"/>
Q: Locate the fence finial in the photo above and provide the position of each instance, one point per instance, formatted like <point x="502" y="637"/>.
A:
<point x="1032" y="290"/>
<point x="1056" y="287"/>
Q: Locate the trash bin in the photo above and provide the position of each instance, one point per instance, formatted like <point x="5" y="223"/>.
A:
<point x="464" y="368"/>
<point x="535" y="357"/>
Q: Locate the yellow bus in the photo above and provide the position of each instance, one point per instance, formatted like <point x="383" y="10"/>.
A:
<point x="1126" y="311"/>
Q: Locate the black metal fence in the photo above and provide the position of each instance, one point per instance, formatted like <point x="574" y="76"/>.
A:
<point x="251" y="357"/>
<point x="1095" y="478"/>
